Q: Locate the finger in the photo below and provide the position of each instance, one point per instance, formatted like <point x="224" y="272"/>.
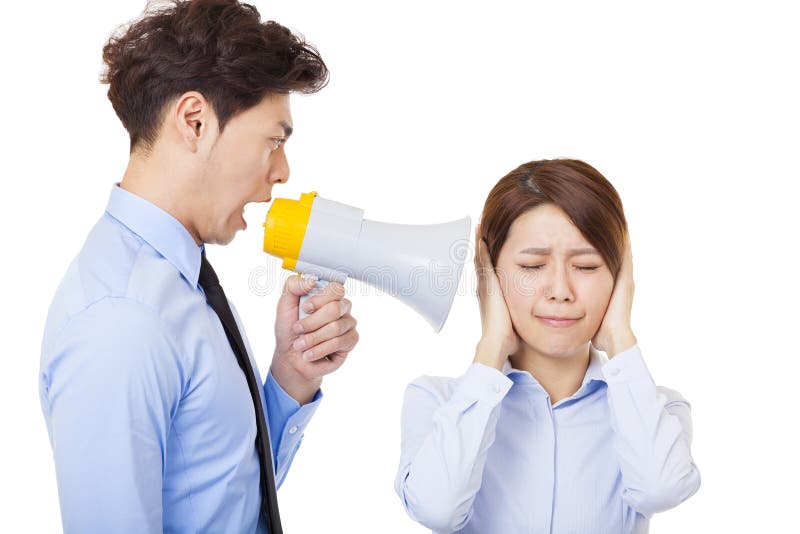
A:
<point x="326" y="340"/>
<point x="477" y="244"/>
<point x="293" y="289"/>
<point x="328" y="313"/>
<point x="340" y="345"/>
<point x="326" y="366"/>
<point x="484" y="253"/>
<point x="483" y="265"/>
<point x="630" y="258"/>
<point x="627" y="259"/>
<point x="482" y="250"/>
<point x="333" y="291"/>
<point x="477" y="235"/>
<point x="630" y="248"/>
<point x="480" y="261"/>
<point x="329" y="348"/>
<point x="328" y="331"/>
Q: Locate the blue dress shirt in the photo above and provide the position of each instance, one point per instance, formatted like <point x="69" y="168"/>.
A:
<point x="148" y="413"/>
<point x="487" y="453"/>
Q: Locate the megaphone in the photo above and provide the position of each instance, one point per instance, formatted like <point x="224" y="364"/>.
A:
<point x="419" y="264"/>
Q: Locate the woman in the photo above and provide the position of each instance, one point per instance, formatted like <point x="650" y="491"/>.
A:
<point x="544" y="434"/>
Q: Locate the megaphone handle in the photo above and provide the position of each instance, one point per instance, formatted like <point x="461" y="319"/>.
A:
<point x="319" y="285"/>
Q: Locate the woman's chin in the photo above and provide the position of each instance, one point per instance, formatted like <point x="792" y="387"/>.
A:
<point x="557" y="346"/>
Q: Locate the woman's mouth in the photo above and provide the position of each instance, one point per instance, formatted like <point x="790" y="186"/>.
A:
<point x="558" y="322"/>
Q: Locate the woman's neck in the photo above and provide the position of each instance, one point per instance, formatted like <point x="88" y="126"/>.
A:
<point x="560" y="375"/>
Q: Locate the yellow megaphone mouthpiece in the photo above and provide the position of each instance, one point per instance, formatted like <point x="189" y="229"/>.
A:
<point x="286" y="226"/>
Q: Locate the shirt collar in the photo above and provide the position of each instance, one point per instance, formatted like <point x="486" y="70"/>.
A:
<point x="159" y="229"/>
<point x="593" y="372"/>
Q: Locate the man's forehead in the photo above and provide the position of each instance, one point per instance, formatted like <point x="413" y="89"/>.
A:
<point x="274" y="112"/>
<point x="274" y="123"/>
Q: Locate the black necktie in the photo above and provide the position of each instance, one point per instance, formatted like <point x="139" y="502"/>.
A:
<point x="217" y="300"/>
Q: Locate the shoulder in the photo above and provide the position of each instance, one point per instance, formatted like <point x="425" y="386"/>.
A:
<point x="115" y="321"/>
<point x="436" y="387"/>
<point x="108" y="258"/>
<point x="671" y="396"/>
<point x="478" y="382"/>
<point x="114" y="266"/>
<point x="114" y="346"/>
<point x="117" y="334"/>
<point x="101" y="268"/>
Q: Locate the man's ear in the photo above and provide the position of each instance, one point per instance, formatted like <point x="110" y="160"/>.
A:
<point x="194" y="119"/>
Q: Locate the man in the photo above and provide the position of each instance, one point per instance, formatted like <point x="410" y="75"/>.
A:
<point x="147" y="378"/>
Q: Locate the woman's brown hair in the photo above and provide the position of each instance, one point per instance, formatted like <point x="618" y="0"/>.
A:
<point x="219" y="48"/>
<point x="585" y="195"/>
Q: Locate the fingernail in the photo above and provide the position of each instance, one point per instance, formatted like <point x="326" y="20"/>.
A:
<point x="299" y="343"/>
<point x="298" y="328"/>
<point x="308" y="307"/>
<point x="308" y="355"/>
<point x="310" y="279"/>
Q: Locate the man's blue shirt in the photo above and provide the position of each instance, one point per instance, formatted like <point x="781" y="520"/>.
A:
<point x="149" y="415"/>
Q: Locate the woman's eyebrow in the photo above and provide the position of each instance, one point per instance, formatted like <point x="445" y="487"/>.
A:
<point x="571" y="252"/>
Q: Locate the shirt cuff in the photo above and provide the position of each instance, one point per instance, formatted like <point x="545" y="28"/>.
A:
<point x="627" y="366"/>
<point x="287" y="419"/>
<point x="484" y="383"/>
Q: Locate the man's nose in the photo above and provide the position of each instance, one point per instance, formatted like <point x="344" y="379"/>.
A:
<point x="279" y="171"/>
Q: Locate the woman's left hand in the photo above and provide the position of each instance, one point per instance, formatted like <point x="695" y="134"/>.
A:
<point x="615" y="334"/>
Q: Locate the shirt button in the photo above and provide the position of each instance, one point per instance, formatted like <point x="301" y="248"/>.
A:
<point x="293" y="430"/>
<point x="615" y="371"/>
<point x="495" y="388"/>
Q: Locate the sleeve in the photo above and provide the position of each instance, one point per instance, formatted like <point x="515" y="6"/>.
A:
<point x="445" y="443"/>
<point x="287" y="422"/>
<point x="110" y="384"/>
<point x="653" y="435"/>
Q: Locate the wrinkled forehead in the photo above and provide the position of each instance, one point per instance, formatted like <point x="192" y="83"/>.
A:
<point x="545" y="227"/>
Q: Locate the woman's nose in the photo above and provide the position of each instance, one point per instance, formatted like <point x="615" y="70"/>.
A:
<point x="558" y="287"/>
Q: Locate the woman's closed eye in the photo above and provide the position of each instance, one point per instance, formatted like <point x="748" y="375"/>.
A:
<point x="579" y="267"/>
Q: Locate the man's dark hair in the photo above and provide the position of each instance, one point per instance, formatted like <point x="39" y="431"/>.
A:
<point x="219" y="48"/>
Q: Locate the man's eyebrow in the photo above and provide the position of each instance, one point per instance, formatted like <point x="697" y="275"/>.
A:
<point x="571" y="252"/>
<point x="287" y="130"/>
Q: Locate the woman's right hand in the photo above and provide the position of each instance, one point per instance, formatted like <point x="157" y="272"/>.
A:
<point x="499" y="339"/>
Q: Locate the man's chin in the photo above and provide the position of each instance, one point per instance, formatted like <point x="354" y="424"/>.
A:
<point x="228" y="238"/>
<point x="221" y="239"/>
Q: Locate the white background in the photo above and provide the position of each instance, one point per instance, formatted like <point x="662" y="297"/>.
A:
<point x="689" y="108"/>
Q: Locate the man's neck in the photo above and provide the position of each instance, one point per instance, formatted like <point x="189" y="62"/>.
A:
<point x="560" y="376"/>
<point x="159" y="184"/>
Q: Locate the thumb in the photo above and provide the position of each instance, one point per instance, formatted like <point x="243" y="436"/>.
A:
<point x="289" y="301"/>
<point x="296" y="286"/>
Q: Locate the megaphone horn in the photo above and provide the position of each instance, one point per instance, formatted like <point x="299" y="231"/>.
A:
<point x="418" y="264"/>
